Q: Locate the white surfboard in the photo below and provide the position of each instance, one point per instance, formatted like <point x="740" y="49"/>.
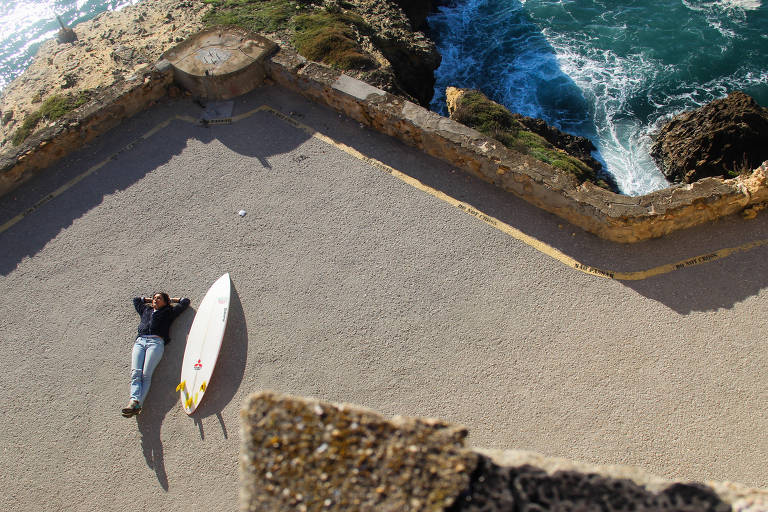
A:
<point x="203" y="344"/>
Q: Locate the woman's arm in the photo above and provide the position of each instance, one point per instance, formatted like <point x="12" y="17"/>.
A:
<point x="138" y="303"/>
<point x="183" y="304"/>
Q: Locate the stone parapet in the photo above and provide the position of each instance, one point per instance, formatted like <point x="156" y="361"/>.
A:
<point x="103" y="112"/>
<point x="608" y="215"/>
<point x="611" y="216"/>
<point x="307" y="455"/>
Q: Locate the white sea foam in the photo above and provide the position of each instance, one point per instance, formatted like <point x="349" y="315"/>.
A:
<point x="747" y="5"/>
<point x="609" y="82"/>
<point x="632" y="68"/>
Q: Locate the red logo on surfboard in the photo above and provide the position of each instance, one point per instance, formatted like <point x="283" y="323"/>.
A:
<point x="198" y="365"/>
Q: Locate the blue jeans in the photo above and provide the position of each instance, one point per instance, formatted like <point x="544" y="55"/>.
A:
<point x="147" y="352"/>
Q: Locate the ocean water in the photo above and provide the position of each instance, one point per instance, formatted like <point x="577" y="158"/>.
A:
<point x="608" y="70"/>
<point x="612" y="71"/>
<point x="25" y="24"/>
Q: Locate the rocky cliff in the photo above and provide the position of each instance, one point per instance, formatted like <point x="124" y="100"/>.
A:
<point x="411" y="55"/>
<point x="528" y="135"/>
<point x="109" y="49"/>
<point x="417" y="11"/>
<point x="372" y="40"/>
<point x="725" y="138"/>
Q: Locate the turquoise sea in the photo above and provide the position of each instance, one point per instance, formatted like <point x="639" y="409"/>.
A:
<point x="608" y="70"/>
<point x="605" y="69"/>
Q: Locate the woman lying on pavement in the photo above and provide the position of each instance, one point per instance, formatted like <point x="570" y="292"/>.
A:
<point x="150" y="344"/>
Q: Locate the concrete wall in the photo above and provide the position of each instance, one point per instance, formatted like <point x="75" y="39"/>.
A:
<point x="102" y="113"/>
<point x="242" y="72"/>
<point x="611" y="216"/>
<point x="307" y="455"/>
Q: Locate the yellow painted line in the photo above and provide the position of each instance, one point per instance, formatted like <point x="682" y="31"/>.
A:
<point x="80" y="177"/>
<point x="465" y="207"/>
<point x="514" y="232"/>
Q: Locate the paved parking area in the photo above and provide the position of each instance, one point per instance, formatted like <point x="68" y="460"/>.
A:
<point x="353" y="284"/>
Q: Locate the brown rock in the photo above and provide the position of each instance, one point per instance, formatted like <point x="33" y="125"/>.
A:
<point x="574" y="145"/>
<point x="417" y="11"/>
<point x="412" y="56"/>
<point x="723" y="138"/>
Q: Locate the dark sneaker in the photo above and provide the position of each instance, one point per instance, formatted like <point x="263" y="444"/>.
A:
<point x="132" y="409"/>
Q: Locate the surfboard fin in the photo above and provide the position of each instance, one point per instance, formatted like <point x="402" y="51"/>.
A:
<point x="181" y="385"/>
<point x="202" y="387"/>
<point x="188" y="403"/>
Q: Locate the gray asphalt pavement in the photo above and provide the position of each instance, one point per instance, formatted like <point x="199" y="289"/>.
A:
<point x="353" y="286"/>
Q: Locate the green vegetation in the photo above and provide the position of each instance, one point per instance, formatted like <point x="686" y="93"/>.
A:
<point x="493" y="120"/>
<point x="53" y="108"/>
<point x="254" y="15"/>
<point x="330" y="38"/>
<point x="321" y="35"/>
<point x="743" y="167"/>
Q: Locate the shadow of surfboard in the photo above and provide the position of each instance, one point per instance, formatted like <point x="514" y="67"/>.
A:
<point x="225" y="381"/>
<point x="230" y="367"/>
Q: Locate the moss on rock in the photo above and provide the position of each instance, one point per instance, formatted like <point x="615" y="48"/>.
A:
<point x="254" y="15"/>
<point x="329" y="37"/>
<point x="472" y="108"/>
<point x="52" y="108"/>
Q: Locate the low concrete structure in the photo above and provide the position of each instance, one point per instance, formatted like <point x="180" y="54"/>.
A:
<point x="220" y="63"/>
<point x="307" y="455"/>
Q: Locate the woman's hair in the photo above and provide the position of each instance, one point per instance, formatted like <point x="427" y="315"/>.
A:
<point x="165" y="297"/>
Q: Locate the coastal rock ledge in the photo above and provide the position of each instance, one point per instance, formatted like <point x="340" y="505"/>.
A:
<point x="300" y="454"/>
<point x="724" y="138"/>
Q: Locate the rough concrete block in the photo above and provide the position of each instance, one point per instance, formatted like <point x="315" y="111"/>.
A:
<point x="306" y="455"/>
<point x="300" y="454"/>
<point x="356" y="88"/>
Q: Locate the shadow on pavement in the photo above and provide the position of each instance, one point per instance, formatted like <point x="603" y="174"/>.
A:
<point x="28" y="236"/>
<point x="710" y="286"/>
<point x="705" y="287"/>
<point x="162" y="397"/>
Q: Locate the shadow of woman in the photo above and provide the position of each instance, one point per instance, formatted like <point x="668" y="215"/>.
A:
<point x="162" y="396"/>
<point x="230" y="367"/>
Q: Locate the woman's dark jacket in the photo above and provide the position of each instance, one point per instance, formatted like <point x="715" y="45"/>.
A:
<point x="158" y="322"/>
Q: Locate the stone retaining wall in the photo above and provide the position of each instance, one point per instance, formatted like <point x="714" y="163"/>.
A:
<point x="102" y="113"/>
<point x="306" y="455"/>
<point x="611" y="216"/>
